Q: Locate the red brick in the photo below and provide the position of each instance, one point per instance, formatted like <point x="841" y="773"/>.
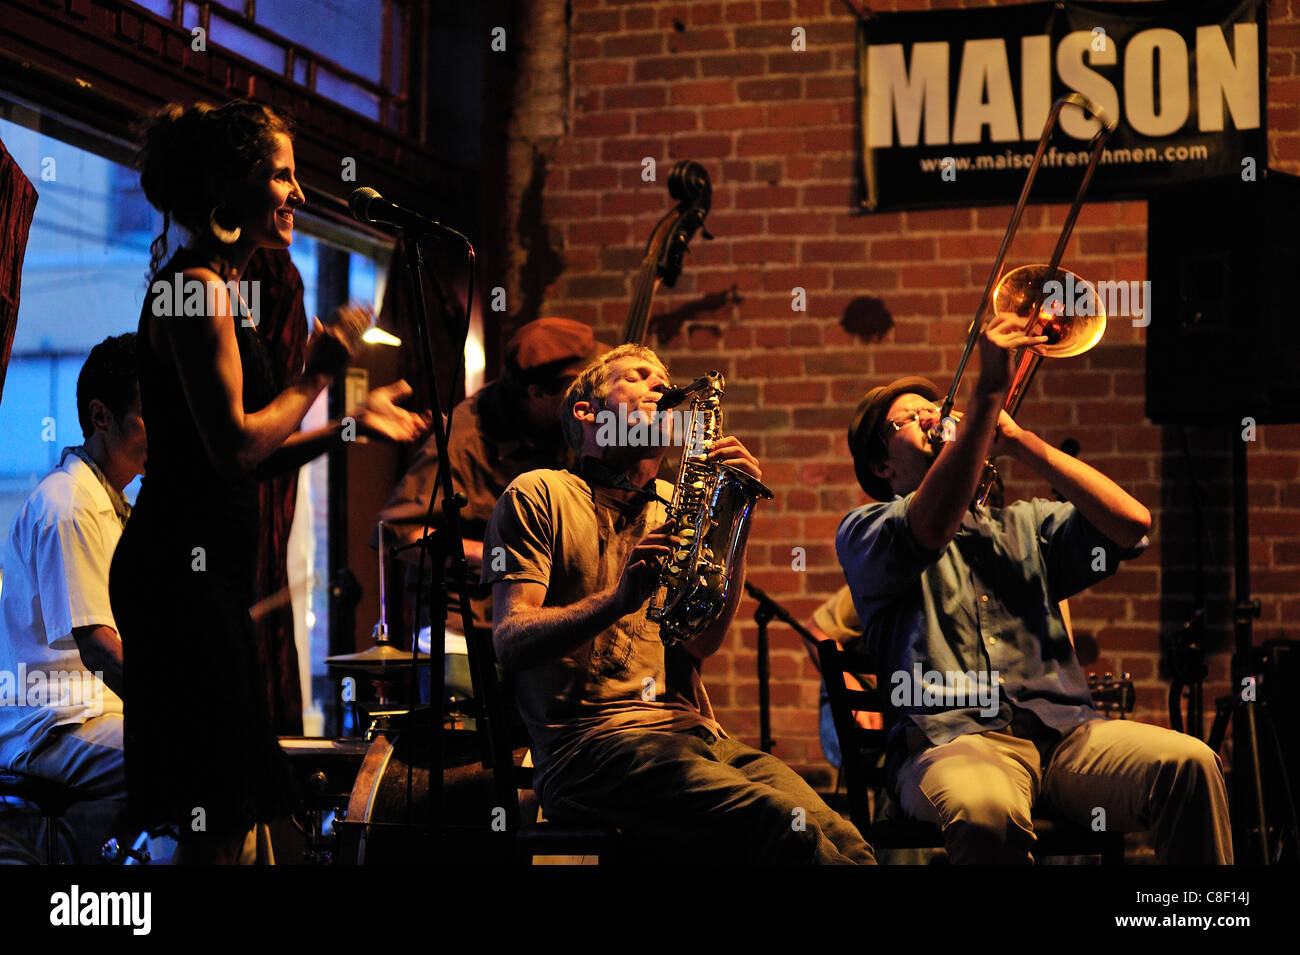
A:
<point x="841" y="87"/>
<point x="766" y="197"/>
<point x="833" y="250"/>
<point x="902" y="250"/>
<point x="601" y="73"/>
<point x="635" y="96"/>
<point x="770" y="89"/>
<point x="702" y="93"/>
<point x="650" y="69"/>
<point x="795" y="61"/>
<point x="632" y="44"/>
<point x="601" y="21"/>
<point x="840" y="195"/>
<point x="732" y="64"/>
<point x="808" y="277"/>
<point x="631" y="150"/>
<point x="741" y="12"/>
<point x="800" y="114"/>
<point x="665" y="121"/>
<point x="830" y="140"/>
<point x="703" y="145"/>
<point x="799" y="167"/>
<point x="732" y="117"/>
<point x="760" y="251"/>
<point x="703" y="14"/>
<point x="767" y="143"/>
<point x="801" y="392"/>
<point x="695" y="40"/>
<point x="603" y="124"/>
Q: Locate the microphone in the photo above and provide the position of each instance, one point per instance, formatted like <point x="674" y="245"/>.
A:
<point x="672" y="397"/>
<point x="369" y="206"/>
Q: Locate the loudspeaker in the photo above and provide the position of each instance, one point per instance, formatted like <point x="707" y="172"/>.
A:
<point x="1222" y="344"/>
<point x="1279" y="742"/>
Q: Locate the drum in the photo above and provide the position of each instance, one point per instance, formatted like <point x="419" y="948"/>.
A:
<point x="390" y="817"/>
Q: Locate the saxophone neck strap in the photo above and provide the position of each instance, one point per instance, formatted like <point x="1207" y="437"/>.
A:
<point x="599" y="474"/>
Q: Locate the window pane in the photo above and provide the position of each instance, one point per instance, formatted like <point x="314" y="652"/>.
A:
<point x="347" y="94"/>
<point x="88" y="250"/>
<point x="24" y="408"/>
<point x="349" y="32"/>
<point x="238" y="40"/>
<point x="161" y="7"/>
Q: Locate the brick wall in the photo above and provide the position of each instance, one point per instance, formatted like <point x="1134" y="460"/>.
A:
<point x="886" y="295"/>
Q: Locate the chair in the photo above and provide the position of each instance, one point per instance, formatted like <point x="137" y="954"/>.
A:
<point x="531" y="839"/>
<point x="863" y="771"/>
<point x="51" y="800"/>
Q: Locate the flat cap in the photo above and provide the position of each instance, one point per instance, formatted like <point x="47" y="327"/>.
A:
<point x="550" y="348"/>
<point x="867" y="420"/>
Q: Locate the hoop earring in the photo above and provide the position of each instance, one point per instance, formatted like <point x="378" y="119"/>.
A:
<point x="223" y="235"/>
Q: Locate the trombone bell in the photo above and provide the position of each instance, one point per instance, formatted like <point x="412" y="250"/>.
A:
<point x="1073" y="320"/>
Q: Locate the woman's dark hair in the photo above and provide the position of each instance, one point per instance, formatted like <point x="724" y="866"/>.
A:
<point x="193" y="158"/>
<point x="110" y="375"/>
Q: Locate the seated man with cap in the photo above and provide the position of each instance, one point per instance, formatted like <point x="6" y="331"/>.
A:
<point x="960" y="605"/>
<point x="506" y="428"/>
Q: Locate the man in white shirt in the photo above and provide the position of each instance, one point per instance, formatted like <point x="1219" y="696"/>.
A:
<point x="60" y="654"/>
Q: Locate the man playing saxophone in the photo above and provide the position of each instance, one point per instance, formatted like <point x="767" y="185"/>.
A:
<point x="622" y="729"/>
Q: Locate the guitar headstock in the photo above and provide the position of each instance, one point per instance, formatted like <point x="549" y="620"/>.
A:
<point x="1112" y="696"/>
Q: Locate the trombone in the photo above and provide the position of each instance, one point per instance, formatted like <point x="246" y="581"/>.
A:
<point x="1025" y="291"/>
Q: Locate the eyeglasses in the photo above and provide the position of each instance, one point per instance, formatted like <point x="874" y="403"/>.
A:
<point x="915" y="416"/>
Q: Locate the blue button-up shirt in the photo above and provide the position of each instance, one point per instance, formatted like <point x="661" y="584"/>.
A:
<point x="968" y="635"/>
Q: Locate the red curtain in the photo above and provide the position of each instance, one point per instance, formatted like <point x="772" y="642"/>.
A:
<point x="283" y="327"/>
<point x="17" y="205"/>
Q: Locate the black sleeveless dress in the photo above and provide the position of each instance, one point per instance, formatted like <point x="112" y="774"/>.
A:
<point x="200" y="749"/>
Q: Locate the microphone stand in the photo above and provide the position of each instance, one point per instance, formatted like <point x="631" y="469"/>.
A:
<point x="767" y="610"/>
<point x="451" y="553"/>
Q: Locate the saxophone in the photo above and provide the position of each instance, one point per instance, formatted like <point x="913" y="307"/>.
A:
<point x="711" y="506"/>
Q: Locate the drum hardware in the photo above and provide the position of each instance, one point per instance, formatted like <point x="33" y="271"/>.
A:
<point x="154" y="846"/>
<point x="384" y="664"/>
<point x="326" y="770"/>
<point x="1027" y="291"/>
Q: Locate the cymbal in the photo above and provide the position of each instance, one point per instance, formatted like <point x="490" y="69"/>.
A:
<point x="381" y="656"/>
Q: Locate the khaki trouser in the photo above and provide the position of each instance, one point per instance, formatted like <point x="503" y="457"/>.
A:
<point x="689" y="795"/>
<point x="1124" y="775"/>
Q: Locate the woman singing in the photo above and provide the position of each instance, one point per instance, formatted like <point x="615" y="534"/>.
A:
<point x="200" y="750"/>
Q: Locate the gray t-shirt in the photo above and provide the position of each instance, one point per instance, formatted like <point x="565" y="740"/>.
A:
<point x="554" y="529"/>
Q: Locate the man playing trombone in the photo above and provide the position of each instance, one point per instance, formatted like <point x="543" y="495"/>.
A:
<point x="965" y="598"/>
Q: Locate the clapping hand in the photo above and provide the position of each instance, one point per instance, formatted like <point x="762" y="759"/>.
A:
<point x="379" y="416"/>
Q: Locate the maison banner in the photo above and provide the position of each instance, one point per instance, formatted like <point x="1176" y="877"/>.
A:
<point x="954" y="101"/>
